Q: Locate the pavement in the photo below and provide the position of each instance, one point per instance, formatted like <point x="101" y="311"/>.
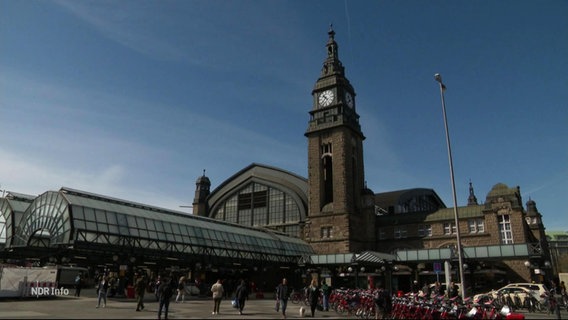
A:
<point x="84" y="307"/>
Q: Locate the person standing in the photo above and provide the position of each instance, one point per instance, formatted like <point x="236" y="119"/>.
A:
<point x="102" y="291"/>
<point x="313" y="296"/>
<point x="78" y="284"/>
<point x="140" y="289"/>
<point x="217" y="290"/>
<point x="282" y="296"/>
<point x="326" y="292"/>
<point x="241" y="294"/>
<point x="165" y="292"/>
<point x="181" y="290"/>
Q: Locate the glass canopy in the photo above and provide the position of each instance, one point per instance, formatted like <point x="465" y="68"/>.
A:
<point x="73" y="217"/>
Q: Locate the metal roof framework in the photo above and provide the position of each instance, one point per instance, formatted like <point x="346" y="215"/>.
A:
<point x="90" y="223"/>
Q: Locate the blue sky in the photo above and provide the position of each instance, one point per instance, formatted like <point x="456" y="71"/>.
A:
<point x="134" y="99"/>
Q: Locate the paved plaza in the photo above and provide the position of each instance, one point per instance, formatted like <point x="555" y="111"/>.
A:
<point x="69" y="307"/>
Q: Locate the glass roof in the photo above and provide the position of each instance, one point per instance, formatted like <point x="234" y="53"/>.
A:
<point x="93" y="215"/>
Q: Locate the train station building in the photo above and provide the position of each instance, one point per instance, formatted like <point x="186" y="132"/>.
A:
<point x="264" y="222"/>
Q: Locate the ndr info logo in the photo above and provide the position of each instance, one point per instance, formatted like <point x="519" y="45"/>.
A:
<point x="48" y="291"/>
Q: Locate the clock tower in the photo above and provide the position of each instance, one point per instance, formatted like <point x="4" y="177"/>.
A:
<point x="341" y="212"/>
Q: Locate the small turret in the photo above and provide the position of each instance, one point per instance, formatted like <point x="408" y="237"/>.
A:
<point x="202" y="190"/>
<point x="533" y="217"/>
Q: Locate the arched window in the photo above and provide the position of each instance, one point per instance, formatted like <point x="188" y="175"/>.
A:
<point x="259" y="205"/>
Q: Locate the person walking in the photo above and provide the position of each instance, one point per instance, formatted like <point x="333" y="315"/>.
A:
<point x="165" y="292"/>
<point x="140" y="289"/>
<point x="383" y="304"/>
<point x="453" y="290"/>
<point x="102" y="289"/>
<point x="326" y="292"/>
<point x="181" y="290"/>
<point x="282" y="296"/>
<point x="217" y="290"/>
<point x="313" y="296"/>
<point x="241" y="294"/>
<point x="157" y="284"/>
<point x="426" y="290"/>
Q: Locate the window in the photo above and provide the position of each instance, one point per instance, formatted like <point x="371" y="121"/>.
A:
<point x="259" y="205"/>
<point x="425" y="230"/>
<point x="326" y="148"/>
<point x="505" y="229"/>
<point x="449" y="228"/>
<point x="476" y="225"/>
<point x="400" y="232"/>
<point x="325" y="232"/>
<point x="382" y="234"/>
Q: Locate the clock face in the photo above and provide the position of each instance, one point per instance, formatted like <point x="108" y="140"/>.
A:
<point x="349" y="99"/>
<point x="325" y="98"/>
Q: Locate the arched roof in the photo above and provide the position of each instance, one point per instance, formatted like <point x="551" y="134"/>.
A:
<point x="12" y="207"/>
<point x="76" y="218"/>
<point x="292" y="184"/>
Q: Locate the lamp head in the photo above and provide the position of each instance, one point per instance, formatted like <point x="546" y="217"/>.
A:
<point x="438" y="77"/>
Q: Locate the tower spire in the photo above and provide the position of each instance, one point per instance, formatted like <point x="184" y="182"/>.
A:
<point x="332" y="65"/>
<point x="472" y="199"/>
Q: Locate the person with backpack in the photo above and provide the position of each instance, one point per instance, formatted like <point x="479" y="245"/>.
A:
<point x="241" y="294"/>
<point x="326" y="292"/>
<point x="165" y="292"/>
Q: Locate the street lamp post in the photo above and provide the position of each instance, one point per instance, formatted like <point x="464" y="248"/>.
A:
<point x="438" y="78"/>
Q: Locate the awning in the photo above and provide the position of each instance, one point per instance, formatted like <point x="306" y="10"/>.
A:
<point x="374" y="257"/>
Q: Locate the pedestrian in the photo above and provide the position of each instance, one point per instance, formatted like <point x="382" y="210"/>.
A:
<point x="438" y="289"/>
<point x="102" y="289"/>
<point x="218" y="292"/>
<point x="165" y="292"/>
<point x="140" y="289"/>
<point x="282" y="296"/>
<point x="157" y="284"/>
<point x="78" y="284"/>
<point x="313" y="296"/>
<point x="415" y="287"/>
<point x="426" y="290"/>
<point x="181" y="290"/>
<point x="453" y="290"/>
<point x="383" y="304"/>
<point x="241" y="294"/>
<point x="326" y="292"/>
